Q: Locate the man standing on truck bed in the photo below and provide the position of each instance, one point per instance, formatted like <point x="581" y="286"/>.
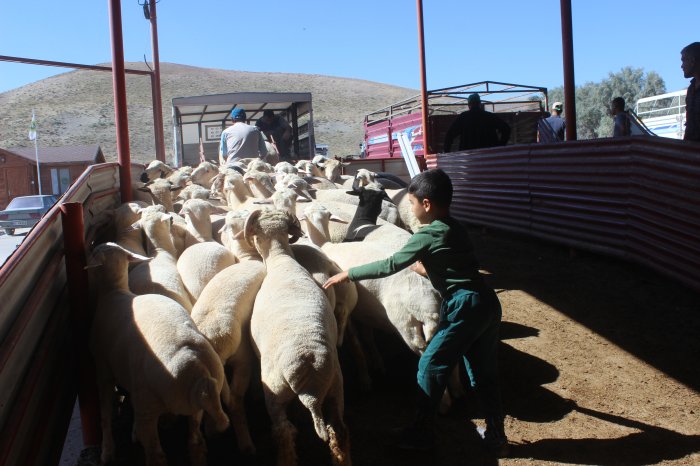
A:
<point x="690" y="64"/>
<point x="276" y="128"/>
<point x="477" y="128"/>
<point x="241" y="140"/>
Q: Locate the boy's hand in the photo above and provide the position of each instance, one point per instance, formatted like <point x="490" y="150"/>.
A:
<point x="419" y="268"/>
<point x="335" y="279"/>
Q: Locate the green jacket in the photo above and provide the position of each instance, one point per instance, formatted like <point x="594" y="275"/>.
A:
<point x="444" y="249"/>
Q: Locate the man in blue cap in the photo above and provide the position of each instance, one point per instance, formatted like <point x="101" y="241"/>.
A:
<point x="477" y="128"/>
<point x="241" y="140"/>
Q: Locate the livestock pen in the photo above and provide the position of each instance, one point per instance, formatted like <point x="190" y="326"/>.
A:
<point x="631" y="198"/>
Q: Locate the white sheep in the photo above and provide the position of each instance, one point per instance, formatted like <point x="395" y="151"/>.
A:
<point x="198" y="215"/>
<point x="403" y="303"/>
<point x="308" y="168"/>
<point x="161" y="192"/>
<point x="160" y="275"/>
<point x="295" y="336"/>
<point x="200" y="263"/>
<point x="260" y="184"/>
<point x="286" y="168"/>
<point x="204" y="174"/>
<point x="122" y="218"/>
<point x="222" y="313"/>
<point x="150" y="346"/>
<point x="156" y="169"/>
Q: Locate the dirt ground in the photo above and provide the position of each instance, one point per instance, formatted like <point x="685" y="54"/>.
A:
<point x="599" y="362"/>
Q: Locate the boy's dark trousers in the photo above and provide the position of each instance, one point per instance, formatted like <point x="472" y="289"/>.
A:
<point x="469" y="328"/>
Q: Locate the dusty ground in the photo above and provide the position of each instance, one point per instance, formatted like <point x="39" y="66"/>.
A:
<point x="599" y="361"/>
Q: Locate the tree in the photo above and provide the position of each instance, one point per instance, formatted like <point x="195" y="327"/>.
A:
<point x="593" y="99"/>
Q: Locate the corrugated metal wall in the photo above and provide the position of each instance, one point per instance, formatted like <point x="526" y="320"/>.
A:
<point x="38" y="367"/>
<point x="636" y="198"/>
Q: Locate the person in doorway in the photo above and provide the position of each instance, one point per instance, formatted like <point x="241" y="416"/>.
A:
<point x="278" y="132"/>
<point x="470" y="313"/>
<point x="552" y="128"/>
<point x="621" y="119"/>
<point x="477" y="128"/>
<point x="241" y="140"/>
<point x="690" y="64"/>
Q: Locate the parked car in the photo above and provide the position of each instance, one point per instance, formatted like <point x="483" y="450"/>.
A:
<point x="25" y="212"/>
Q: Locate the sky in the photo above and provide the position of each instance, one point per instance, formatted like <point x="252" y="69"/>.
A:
<point x="375" y="40"/>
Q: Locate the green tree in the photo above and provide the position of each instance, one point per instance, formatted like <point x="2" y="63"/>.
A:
<point x="593" y="99"/>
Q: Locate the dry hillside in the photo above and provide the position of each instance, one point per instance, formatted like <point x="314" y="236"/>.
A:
<point x="77" y="107"/>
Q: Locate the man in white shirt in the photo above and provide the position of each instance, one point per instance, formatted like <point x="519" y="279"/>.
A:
<point x="241" y="140"/>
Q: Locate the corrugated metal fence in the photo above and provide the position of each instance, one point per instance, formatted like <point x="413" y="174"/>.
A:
<point x="636" y="198"/>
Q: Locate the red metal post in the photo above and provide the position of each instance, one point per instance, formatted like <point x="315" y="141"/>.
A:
<point x="155" y="81"/>
<point x="423" y="83"/>
<point x="567" y="43"/>
<point x="119" y="85"/>
<point x="78" y="285"/>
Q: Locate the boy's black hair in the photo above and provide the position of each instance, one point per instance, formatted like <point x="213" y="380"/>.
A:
<point x="434" y="185"/>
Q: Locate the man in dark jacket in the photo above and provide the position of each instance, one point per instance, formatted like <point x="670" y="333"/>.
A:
<point x="477" y="128"/>
<point x="690" y="64"/>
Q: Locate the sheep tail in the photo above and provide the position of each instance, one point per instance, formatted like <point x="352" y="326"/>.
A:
<point x="338" y="453"/>
<point x="311" y="403"/>
<point x="206" y="396"/>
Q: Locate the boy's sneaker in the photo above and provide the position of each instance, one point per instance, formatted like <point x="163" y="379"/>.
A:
<point x="495" y="442"/>
<point x="414" y="438"/>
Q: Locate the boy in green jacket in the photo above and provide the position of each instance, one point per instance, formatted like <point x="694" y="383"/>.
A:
<point x="470" y="314"/>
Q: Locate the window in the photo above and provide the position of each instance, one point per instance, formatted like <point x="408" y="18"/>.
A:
<point x="60" y="180"/>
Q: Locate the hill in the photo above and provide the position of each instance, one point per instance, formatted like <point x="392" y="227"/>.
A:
<point x="77" y="107"/>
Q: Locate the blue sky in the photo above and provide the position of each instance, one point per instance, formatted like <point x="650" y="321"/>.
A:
<point x="511" y="41"/>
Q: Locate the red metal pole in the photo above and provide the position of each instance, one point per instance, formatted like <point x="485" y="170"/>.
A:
<point x="423" y="88"/>
<point x="155" y="80"/>
<point x="74" y="245"/>
<point x="119" y="85"/>
<point x="567" y="43"/>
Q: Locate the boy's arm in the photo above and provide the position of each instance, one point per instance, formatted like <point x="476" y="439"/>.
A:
<point x="409" y="254"/>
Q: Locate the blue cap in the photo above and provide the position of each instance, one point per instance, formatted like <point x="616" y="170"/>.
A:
<point x="238" y="114"/>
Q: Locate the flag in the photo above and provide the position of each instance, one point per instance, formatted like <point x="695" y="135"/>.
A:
<point x="32" y="128"/>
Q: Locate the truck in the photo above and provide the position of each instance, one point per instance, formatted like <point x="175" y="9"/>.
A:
<point x="392" y="132"/>
<point x="199" y="120"/>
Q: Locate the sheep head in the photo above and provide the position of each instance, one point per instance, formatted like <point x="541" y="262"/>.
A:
<point x="261" y="227"/>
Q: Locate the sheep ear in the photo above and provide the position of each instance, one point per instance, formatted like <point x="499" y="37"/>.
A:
<point x="133" y="227"/>
<point x="224" y="229"/>
<point x="249" y="228"/>
<point x="303" y="199"/>
<point x="294" y="228"/>
<point x="335" y="218"/>
<point x="144" y="188"/>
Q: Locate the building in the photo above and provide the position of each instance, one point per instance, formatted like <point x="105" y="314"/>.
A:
<point x="59" y="167"/>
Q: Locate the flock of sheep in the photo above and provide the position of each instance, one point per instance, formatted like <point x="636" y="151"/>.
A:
<point x="216" y="266"/>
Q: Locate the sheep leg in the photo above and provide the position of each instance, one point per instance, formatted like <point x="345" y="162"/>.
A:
<point x="239" y="386"/>
<point x="359" y="357"/>
<point x="146" y="432"/>
<point x="197" y="446"/>
<point x="366" y="333"/>
<point x="283" y="431"/>
<point x="106" y="392"/>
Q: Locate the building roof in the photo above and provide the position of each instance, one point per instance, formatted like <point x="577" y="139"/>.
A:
<point x="62" y="154"/>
